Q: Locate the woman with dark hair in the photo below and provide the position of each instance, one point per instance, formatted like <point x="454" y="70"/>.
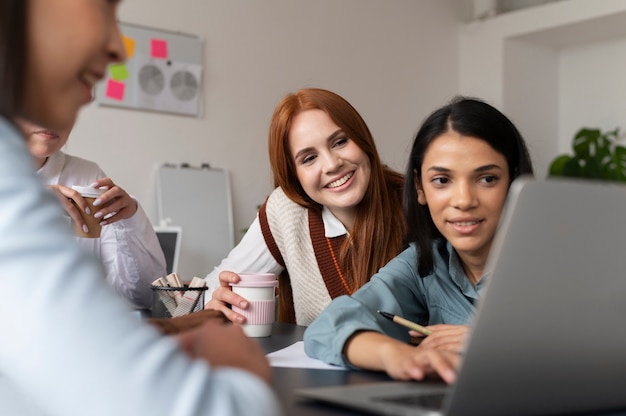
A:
<point x="334" y="219"/>
<point x="70" y="345"/>
<point x="463" y="161"/>
<point x="128" y="247"/>
<point x="470" y="118"/>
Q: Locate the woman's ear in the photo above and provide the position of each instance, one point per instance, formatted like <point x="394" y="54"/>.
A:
<point x="421" y="197"/>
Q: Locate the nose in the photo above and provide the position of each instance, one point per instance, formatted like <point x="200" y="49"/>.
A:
<point x="115" y="46"/>
<point x="464" y="196"/>
<point x="332" y="162"/>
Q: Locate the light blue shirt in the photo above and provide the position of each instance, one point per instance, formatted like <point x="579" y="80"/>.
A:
<point x="70" y="345"/>
<point x="446" y="296"/>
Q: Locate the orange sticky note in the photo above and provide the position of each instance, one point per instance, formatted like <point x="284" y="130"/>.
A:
<point x="129" y="46"/>
<point x="115" y="90"/>
<point x="158" y="48"/>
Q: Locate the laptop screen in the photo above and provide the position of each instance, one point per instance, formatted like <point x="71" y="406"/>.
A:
<point x="169" y="239"/>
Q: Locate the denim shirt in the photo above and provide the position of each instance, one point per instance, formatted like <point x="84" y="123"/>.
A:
<point x="445" y="296"/>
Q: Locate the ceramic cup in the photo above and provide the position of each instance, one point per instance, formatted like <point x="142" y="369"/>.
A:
<point x="93" y="224"/>
<point x="258" y="289"/>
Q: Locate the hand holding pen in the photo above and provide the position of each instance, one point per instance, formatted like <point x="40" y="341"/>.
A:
<point x="445" y="337"/>
<point x="406" y="323"/>
<point x="440" y="336"/>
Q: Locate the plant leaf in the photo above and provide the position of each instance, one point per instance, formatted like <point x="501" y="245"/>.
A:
<point x="596" y="155"/>
<point x="573" y="168"/>
<point x="557" y="165"/>
<point x="616" y="170"/>
<point x="585" y="142"/>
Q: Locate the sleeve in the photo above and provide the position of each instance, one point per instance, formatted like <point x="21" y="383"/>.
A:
<point x="129" y="249"/>
<point x="132" y="257"/>
<point x="394" y="289"/>
<point x="250" y="255"/>
<point x="71" y="346"/>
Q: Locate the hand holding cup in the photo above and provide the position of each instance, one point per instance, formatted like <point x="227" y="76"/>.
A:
<point x="90" y="226"/>
<point x="259" y="290"/>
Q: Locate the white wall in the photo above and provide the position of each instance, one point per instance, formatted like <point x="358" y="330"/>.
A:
<point x="395" y="61"/>
<point x="593" y="85"/>
<point x="552" y="68"/>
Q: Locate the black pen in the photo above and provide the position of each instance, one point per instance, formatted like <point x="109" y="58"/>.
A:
<point x="406" y="323"/>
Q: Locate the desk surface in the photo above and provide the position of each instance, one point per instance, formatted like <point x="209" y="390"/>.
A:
<point x="286" y="380"/>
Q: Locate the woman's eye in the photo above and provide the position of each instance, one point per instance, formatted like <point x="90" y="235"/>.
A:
<point x="341" y="141"/>
<point x="440" y="181"/>
<point x="308" y="159"/>
<point x="489" y="179"/>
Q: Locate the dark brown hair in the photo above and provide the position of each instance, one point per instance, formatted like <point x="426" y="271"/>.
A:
<point x="469" y="117"/>
<point x="13" y="58"/>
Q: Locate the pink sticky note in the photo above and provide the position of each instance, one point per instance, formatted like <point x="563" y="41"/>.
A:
<point x="115" y="90"/>
<point x="158" y="48"/>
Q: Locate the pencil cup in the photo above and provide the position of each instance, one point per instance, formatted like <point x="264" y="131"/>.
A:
<point x="89" y="194"/>
<point x="170" y="302"/>
<point x="258" y="289"/>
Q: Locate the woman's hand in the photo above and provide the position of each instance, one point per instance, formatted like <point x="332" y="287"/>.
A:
<point x="444" y="337"/>
<point x="375" y="351"/>
<point x="226" y="346"/>
<point x="115" y="204"/>
<point x="72" y="202"/>
<point x="223" y="297"/>
<point x="406" y="362"/>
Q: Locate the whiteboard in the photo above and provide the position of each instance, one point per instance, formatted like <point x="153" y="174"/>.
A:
<point x="199" y="201"/>
<point x="162" y="72"/>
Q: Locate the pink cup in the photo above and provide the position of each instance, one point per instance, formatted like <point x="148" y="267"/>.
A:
<point x="259" y="290"/>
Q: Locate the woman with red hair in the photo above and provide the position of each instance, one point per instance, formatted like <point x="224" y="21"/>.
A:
<point x="334" y="218"/>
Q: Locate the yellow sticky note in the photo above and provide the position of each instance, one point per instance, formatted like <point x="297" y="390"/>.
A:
<point x="119" y="72"/>
<point x="129" y="46"/>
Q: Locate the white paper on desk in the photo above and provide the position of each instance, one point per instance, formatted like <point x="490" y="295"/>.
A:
<point x="294" y="356"/>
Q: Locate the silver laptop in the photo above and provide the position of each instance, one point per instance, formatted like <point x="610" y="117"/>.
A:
<point x="549" y="336"/>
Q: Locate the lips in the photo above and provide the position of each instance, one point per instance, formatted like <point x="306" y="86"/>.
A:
<point x="47" y="133"/>
<point x="90" y="78"/>
<point x="337" y="183"/>
<point x="465" y="226"/>
<point x="464" y="223"/>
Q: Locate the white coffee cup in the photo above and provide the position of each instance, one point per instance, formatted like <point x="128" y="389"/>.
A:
<point x="259" y="290"/>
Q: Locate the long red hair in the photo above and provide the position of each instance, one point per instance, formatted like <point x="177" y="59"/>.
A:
<point x="379" y="229"/>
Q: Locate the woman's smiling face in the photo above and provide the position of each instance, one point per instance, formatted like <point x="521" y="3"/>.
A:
<point x="464" y="183"/>
<point x="71" y="42"/>
<point x="331" y="168"/>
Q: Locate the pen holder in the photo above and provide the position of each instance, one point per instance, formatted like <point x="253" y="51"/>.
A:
<point x="171" y="302"/>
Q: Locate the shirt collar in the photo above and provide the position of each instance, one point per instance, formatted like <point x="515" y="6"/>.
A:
<point x="50" y="172"/>
<point x="458" y="275"/>
<point x="332" y="226"/>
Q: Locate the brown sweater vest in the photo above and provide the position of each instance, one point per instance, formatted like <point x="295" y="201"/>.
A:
<point x="326" y="253"/>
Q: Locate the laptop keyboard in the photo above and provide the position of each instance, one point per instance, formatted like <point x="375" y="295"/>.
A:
<point x="428" y="400"/>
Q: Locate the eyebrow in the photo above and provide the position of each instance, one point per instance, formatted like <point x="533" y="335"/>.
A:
<point x="308" y="149"/>
<point x="484" y="168"/>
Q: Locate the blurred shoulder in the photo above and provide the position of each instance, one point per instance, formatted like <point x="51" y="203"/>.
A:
<point x="79" y="163"/>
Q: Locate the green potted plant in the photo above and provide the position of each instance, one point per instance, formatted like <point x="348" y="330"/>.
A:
<point x="597" y="155"/>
